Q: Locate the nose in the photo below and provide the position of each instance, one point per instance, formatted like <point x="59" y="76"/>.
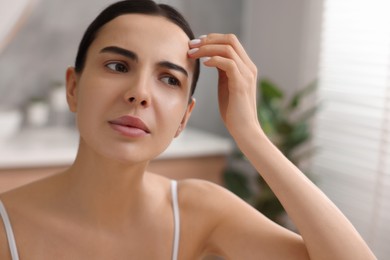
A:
<point x="134" y="100"/>
<point x="138" y="93"/>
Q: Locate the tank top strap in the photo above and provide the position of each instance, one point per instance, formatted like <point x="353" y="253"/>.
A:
<point x="176" y="217"/>
<point x="9" y="232"/>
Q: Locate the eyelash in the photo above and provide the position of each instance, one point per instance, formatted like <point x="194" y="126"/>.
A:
<point x="176" y="82"/>
<point x="124" y="68"/>
<point x="117" y="63"/>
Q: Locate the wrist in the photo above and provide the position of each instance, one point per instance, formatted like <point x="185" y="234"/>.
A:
<point x="248" y="134"/>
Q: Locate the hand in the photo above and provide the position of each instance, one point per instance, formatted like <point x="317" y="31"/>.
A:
<point x="237" y="79"/>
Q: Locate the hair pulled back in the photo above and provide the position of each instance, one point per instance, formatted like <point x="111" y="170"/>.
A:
<point x="147" y="7"/>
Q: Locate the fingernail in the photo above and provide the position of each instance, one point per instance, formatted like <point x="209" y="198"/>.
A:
<point x="192" y="51"/>
<point x="205" y="59"/>
<point x="195" y="41"/>
<point x="202" y="36"/>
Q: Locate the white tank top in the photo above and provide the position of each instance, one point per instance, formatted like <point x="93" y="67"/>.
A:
<point x="176" y="216"/>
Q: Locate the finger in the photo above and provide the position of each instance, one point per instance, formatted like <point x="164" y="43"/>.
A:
<point x="225" y="39"/>
<point x="226" y="65"/>
<point x="225" y="51"/>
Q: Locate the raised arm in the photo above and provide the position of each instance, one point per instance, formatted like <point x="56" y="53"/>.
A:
<point x="326" y="232"/>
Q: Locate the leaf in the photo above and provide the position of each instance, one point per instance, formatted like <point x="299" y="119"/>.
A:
<point x="269" y="91"/>
<point x="284" y="127"/>
<point x="238" y="183"/>
<point x="299" y="135"/>
<point x="296" y="99"/>
<point x="308" y="114"/>
<point x="267" y="119"/>
<point x="268" y="204"/>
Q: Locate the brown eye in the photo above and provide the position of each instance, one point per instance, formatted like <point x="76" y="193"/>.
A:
<point x="117" y="66"/>
<point x="171" y="81"/>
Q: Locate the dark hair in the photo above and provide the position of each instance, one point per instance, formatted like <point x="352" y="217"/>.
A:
<point x="148" y="7"/>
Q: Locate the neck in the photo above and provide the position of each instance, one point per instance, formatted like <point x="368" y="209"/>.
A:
<point x="104" y="189"/>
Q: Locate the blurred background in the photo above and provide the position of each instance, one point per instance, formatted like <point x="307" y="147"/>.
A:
<point x="324" y="90"/>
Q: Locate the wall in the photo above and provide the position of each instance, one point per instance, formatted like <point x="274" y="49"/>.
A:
<point x="283" y="39"/>
<point x="216" y="16"/>
<point x="40" y="53"/>
<point x="281" y="36"/>
<point x="42" y="50"/>
<point x="205" y="16"/>
<point x="10" y="14"/>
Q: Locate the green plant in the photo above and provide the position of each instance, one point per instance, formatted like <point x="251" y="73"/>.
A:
<point x="287" y="124"/>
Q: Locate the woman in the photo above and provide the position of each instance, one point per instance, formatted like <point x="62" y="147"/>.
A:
<point x="131" y="90"/>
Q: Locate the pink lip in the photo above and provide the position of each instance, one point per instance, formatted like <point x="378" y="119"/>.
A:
<point x="129" y="126"/>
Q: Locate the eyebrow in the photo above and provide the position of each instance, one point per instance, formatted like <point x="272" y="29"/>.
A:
<point x="172" y="66"/>
<point x="133" y="56"/>
<point x="127" y="53"/>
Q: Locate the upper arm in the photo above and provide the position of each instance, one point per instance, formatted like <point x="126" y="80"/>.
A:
<point x="241" y="232"/>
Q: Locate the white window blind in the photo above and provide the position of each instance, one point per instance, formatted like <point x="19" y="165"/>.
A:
<point x="353" y="127"/>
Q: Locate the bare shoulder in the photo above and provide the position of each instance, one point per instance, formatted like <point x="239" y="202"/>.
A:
<point x="233" y="224"/>
<point x="213" y="202"/>
<point x="23" y="202"/>
<point x="202" y="194"/>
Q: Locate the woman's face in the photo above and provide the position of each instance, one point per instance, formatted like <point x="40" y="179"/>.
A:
<point x="131" y="98"/>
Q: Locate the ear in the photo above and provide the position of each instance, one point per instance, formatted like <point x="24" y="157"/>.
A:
<point x="186" y="116"/>
<point x="71" y="88"/>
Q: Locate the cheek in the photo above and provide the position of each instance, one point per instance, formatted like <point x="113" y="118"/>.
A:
<point x="170" y="114"/>
<point x="92" y="102"/>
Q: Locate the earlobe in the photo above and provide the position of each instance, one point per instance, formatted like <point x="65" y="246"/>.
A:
<point x="186" y="117"/>
<point x="71" y="88"/>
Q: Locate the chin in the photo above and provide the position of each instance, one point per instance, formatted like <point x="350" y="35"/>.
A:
<point x="122" y="151"/>
<point x="131" y="154"/>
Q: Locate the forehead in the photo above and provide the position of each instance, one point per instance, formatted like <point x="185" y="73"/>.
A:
<point x="147" y="23"/>
<point x="146" y="35"/>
